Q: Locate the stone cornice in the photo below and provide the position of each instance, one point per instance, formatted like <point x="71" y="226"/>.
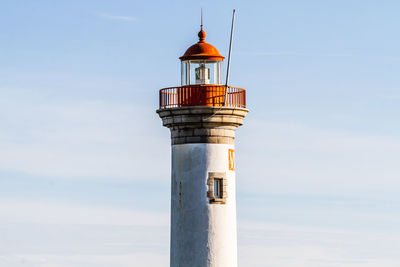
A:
<point x="202" y="124"/>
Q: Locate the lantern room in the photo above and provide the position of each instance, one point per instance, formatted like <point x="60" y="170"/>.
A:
<point x="201" y="80"/>
<point x="201" y="63"/>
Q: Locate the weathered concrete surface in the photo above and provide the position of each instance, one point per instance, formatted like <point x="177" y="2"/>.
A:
<point x="202" y="234"/>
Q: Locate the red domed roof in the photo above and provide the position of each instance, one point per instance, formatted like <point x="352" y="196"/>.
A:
<point x="202" y="50"/>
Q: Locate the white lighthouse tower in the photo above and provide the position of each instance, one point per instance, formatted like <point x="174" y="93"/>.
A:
<point x="203" y="115"/>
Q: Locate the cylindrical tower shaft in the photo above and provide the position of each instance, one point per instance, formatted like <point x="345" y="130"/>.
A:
<point x="203" y="193"/>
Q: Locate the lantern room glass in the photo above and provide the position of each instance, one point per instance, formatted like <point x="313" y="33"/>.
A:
<point x="201" y="72"/>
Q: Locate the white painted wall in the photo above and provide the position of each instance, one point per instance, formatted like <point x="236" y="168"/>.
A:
<point x="202" y="234"/>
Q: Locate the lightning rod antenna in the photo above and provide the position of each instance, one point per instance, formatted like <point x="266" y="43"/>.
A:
<point x="229" y="58"/>
<point x="201" y="25"/>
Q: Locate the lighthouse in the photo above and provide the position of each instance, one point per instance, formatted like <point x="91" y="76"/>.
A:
<point x="202" y="115"/>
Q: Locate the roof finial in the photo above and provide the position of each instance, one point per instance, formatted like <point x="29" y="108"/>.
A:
<point x="202" y="34"/>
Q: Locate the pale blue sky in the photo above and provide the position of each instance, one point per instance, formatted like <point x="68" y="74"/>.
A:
<point x="85" y="162"/>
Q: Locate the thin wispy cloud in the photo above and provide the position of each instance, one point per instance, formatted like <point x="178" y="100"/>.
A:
<point x="116" y="17"/>
<point x="44" y="212"/>
<point x="260" y="53"/>
<point x="287" y="54"/>
<point x="334" y="158"/>
<point x="82" y="126"/>
<point x="359" y="56"/>
<point x="390" y="96"/>
<point x="85" y="235"/>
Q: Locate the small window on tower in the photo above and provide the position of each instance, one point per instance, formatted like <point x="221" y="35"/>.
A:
<point x="217" y="185"/>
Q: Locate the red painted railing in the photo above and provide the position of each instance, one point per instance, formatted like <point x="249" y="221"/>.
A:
<point x="202" y="95"/>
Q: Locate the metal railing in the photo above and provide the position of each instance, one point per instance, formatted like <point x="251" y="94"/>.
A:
<point x="202" y="95"/>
